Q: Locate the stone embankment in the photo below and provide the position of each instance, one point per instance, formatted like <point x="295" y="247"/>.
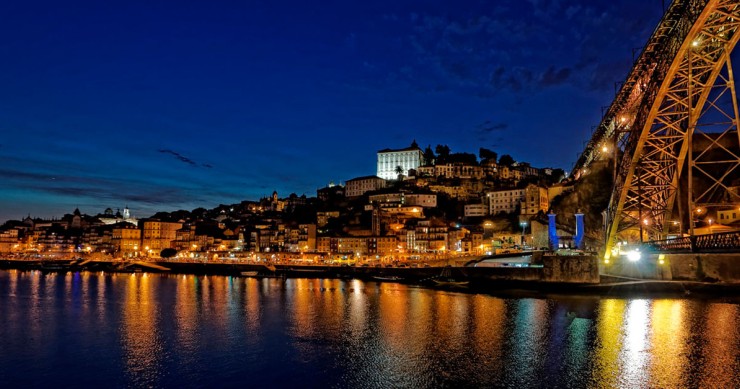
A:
<point x="576" y="274"/>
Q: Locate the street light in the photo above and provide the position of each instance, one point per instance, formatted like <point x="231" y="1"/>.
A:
<point x="680" y="229"/>
<point x="524" y="227"/>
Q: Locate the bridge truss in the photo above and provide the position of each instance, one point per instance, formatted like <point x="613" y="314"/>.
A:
<point x="679" y="93"/>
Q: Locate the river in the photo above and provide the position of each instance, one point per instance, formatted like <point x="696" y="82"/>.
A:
<point x="151" y="330"/>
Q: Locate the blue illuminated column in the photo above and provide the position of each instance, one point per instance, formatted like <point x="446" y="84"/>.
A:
<point x="579" y="230"/>
<point x="552" y="231"/>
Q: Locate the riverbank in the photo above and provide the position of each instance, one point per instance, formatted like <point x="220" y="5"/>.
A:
<point x="557" y="278"/>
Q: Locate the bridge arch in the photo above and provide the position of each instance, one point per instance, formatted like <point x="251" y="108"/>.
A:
<point x="679" y="79"/>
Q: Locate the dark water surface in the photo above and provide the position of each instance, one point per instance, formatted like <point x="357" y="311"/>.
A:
<point x="145" y="330"/>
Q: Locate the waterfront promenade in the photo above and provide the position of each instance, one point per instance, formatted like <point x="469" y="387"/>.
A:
<point x="544" y="274"/>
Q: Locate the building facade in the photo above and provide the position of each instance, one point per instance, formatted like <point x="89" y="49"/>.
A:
<point x="388" y="160"/>
<point x="126" y="239"/>
<point x="475" y="210"/>
<point x="358" y="186"/>
<point x="505" y="200"/>
<point x="157" y="235"/>
<point x="535" y="200"/>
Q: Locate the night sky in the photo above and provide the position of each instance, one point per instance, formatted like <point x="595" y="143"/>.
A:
<point x="178" y="105"/>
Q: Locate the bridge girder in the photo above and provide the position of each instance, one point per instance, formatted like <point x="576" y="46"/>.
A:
<point x="679" y="79"/>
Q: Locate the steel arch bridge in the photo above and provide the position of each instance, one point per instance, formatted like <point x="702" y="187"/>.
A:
<point x="679" y="94"/>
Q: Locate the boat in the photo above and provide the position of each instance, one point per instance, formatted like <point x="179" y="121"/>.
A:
<point x="54" y="267"/>
<point x="450" y="282"/>
<point x="249" y="273"/>
<point x="388" y="278"/>
<point x="307" y="270"/>
<point x="446" y="279"/>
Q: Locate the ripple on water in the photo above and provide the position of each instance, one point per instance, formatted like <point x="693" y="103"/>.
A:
<point x="146" y="330"/>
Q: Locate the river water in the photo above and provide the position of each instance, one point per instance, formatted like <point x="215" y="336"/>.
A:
<point x="146" y="330"/>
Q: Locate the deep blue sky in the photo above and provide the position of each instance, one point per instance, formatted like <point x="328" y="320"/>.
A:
<point x="176" y="105"/>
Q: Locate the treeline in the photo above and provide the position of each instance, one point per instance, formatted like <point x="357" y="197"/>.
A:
<point x="442" y="154"/>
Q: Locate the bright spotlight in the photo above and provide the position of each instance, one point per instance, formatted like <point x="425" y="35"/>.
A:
<point x="633" y="255"/>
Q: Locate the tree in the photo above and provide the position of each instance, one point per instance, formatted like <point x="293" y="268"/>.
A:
<point x="466" y="158"/>
<point x="506" y="160"/>
<point x="443" y="152"/>
<point x="399" y="172"/>
<point x="168" y="253"/>
<point x="429" y="156"/>
<point x="487" y="155"/>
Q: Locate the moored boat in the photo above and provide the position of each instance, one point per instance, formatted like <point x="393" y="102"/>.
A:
<point x="388" y="278"/>
<point x="450" y="282"/>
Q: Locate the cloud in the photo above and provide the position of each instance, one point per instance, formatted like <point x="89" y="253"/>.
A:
<point x="518" y="48"/>
<point x="553" y="77"/>
<point x="489" y="127"/>
<point x="515" y="79"/>
<point x="183" y="158"/>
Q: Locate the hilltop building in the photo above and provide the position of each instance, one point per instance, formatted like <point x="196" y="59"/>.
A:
<point x="409" y="158"/>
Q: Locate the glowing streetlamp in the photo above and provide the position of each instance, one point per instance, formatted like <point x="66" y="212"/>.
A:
<point x="524" y="227"/>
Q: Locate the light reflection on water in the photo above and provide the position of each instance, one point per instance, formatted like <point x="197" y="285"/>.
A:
<point x="146" y="330"/>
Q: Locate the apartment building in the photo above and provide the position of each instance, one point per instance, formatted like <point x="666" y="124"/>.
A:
<point x="356" y="187"/>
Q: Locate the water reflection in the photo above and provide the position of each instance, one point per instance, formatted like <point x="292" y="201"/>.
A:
<point x="669" y="341"/>
<point x="721" y="347"/>
<point x="173" y="330"/>
<point x="140" y="332"/>
<point x="608" y="345"/>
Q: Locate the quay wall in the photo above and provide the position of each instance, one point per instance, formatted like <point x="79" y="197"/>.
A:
<point x="570" y="268"/>
<point x="705" y="267"/>
<point x="549" y="269"/>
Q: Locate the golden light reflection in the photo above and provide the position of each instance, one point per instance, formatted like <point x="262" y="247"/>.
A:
<point x="489" y="322"/>
<point x="721" y="351"/>
<point x="303" y="312"/>
<point x="450" y="320"/>
<point x="101" y="297"/>
<point x="253" y="306"/>
<point x="609" y="334"/>
<point x="319" y="304"/>
<point x="669" y="340"/>
<point x="423" y="324"/>
<point x="634" y="357"/>
<point x="35" y="313"/>
<point x="216" y="305"/>
<point x="186" y="313"/>
<point x="394" y="313"/>
<point x="358" y="309"/>
<point x="142" y="346"/>
<point x="82" y="284"/>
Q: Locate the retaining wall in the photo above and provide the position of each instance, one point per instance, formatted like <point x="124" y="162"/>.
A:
<point x="684" y="267"/>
